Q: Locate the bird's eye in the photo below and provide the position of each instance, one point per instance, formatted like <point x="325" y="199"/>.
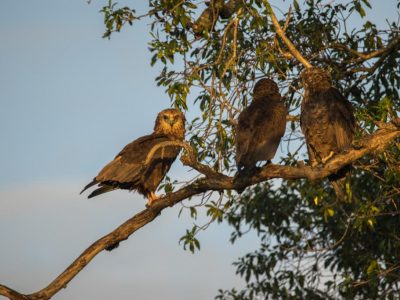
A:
<point x="165" y="117"/>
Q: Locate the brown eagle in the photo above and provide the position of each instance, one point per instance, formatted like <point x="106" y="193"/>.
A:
<point x="261" y="126"/>
<point x="128" y="170"/>
<point x="209" y="17"/>
<point x="327" y="121"/>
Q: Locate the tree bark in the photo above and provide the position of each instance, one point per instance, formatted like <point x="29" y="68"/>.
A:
<point x="212" y="181"/>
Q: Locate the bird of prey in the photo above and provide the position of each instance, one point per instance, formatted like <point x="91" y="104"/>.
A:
<point x="261" y="126"/>
<point x="128" y="169"/>
<point x="215" y="9"/>
<point x="327" y="121"/>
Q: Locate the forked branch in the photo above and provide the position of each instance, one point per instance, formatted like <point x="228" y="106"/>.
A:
<point x="285" y="39"/>
<point x="393" y="45"/>
<point x="212" y="181"/>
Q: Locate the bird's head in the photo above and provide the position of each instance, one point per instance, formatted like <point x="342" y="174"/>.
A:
<point x="265" y="87"/>
<point x="171" y="121"/>
<point x="316" y="79"/>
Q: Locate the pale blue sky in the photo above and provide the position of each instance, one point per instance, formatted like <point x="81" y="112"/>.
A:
<point x="69" y="101"/>
<point x="62" y="85"/>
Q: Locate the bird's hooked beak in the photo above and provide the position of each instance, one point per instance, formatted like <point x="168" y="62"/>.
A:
<point x="171" y="121"/>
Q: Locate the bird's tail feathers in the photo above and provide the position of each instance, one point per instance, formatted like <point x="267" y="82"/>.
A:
<point x="101" y="190"/>
<point x="340" y="189"/>
<point x="342" y="173"/>
<point x="244" y="171"/>
<point x="92" y="183"/>
<point x="340" y="184"/>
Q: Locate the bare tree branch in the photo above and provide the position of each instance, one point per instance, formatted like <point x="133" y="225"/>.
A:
<point x="291" y="118"/>
<point x="11" y="294"/>
<point x="283" y="36"/>
<point x="391" y="46"/>
<point x="212" y="181"/>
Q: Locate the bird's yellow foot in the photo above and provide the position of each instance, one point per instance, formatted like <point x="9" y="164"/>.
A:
<point x="151" y="198"/>
<point x="325" y="159"/>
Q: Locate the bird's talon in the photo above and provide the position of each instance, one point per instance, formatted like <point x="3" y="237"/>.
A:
<point x="325" y="159"/>
<point x="150" y="199"/>
<point x="300" y="163"/>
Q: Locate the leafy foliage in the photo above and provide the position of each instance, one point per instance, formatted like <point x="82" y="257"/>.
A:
<point x="311" y="245"/>
<point x="115" y="19"/>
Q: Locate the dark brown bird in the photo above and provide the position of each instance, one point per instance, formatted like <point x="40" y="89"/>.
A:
<point x="209" y="17"/>
<point x="128" y="169"/>
<point x="327" y="121"/>
<point x="261" y="126"/>
<point x="229" y="8"/>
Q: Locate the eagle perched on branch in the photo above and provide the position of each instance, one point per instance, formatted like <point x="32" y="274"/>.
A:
<point x="261" y="125"/>
<point x="327" y="121"/>
<point x="129" y="171"/>
<point x="215" y="9"/>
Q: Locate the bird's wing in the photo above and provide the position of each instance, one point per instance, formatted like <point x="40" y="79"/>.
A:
<point x="244" y="134"/>
<point x="260" y="129"/>
<point x="317" y="127"/>
<point x="342" y="120"/>
<point x="268" y="129"/>
<point x="140" y="147"/>
<point x="242" y="129"/>
<point x="128" y="165"/>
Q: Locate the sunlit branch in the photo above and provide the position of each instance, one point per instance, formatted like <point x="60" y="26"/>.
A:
<point x="392" y="46"/>
<point x="211" y="181"/>
<point x="285" y="39"/>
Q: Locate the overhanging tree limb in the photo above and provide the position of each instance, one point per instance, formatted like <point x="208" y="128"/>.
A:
<point x="285" y="39"/>
<point x="393" y="45"/>
<point x="213" y="181"/>
<point x="11" y="294"/>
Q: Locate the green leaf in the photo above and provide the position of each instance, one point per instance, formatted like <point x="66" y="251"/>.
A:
<point x="296" y="6"/>
<point x="373" y="266"/>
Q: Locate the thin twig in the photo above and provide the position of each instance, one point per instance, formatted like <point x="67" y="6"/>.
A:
<point x="213" y="181"/>
<point x="282" y="35"/>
